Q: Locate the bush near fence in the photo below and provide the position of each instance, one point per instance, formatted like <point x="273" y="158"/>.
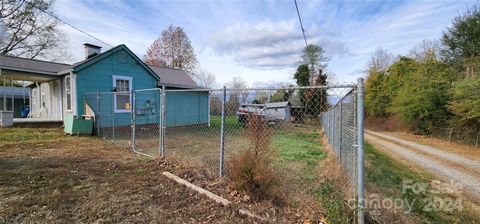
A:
<point x="295" y="143"/>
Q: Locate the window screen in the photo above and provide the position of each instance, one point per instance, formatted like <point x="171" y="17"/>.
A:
<point x="122" y="96"/>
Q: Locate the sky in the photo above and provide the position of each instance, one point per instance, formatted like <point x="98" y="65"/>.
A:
<point x="261" y="41"/>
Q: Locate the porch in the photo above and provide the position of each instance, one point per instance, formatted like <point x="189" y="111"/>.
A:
<point x="30" y="88"/>
<point x="37" y="122"/>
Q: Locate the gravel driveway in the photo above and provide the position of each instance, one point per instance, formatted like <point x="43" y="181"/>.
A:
<point x="446" y="166"/>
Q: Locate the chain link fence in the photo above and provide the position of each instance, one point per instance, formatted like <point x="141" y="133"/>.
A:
<point x="111" y="123"/>
<point x="344" y="128"/>
<point x="210" y="128"/>
<point x="458" y="135"/>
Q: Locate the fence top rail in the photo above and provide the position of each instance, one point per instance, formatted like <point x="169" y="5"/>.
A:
<point x="93" y="93"/>
<point x="151" y="89"/>
<point x="341" y="99"/>
<point x="340" y="86"/>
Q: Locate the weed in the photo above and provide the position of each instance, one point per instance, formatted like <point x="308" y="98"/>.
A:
<point x="250" y="170"/>
<point x="332" y="200"/>
<point x="115" y="174"/>
<point x="140" y="171"/>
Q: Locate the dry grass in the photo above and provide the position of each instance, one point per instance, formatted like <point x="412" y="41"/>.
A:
<point x="48" y="177"/>
<point x="251" y="170"/>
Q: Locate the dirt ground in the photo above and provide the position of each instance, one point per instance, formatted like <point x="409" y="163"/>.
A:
<point x="47" y="177"/>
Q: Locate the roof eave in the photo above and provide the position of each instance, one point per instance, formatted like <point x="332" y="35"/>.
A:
<point x="28" y="70"/>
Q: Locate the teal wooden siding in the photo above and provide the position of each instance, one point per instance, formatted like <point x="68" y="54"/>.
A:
<point x="183" y="108"/>
<point x="186" y="108"/>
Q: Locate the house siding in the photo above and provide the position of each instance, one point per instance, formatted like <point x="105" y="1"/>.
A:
<point x="98" y="77"/>
<point x="186" y="108"/>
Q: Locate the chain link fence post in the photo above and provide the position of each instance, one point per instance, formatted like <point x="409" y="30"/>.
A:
<point x="162" y="121"/>
<point x="98" y="114"/>
<point x="222" y="134"/>
<point x="360" y="148"/>
<point x="340" y="136"/>
<point x="113" y="116"/>
<point x="476" y="142"/>
<point x="134" y="111"/>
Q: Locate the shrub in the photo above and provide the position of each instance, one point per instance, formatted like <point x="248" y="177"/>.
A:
<point x="251" y="169"/>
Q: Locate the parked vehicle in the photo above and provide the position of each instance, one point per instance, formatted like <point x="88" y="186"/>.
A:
<point x="272" y="112"/>
<point x="249" y="109"/>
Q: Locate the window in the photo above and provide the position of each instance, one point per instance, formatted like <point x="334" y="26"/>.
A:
<point x="68" y="93"/>
<point x="123" y="86"/>
<point x="43" y="100"/>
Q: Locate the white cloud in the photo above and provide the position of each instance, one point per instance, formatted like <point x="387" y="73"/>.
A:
<point x="271" y="45"/>
<point x="262" y="41"/>
<point x="106" y="25"/>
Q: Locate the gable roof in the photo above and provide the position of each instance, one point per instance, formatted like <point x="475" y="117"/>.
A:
<point x="174" y="77"/>
<point x="32" y="65"/>
<point x="85" y="63"/>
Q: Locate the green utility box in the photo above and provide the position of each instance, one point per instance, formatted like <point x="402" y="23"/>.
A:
<point x="74" y="125"/>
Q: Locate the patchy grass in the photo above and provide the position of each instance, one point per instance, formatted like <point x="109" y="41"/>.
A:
<point x="140" y="171"/>
<point x="301" y="147"/>
<point x="16" y="136"/>
<point x="333" y="201"/>
<point x="386" y="176"/>
<point x="49" y="177"/>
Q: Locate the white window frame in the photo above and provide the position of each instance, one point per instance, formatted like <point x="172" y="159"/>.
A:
<point x="43" y="100"/>
<point x="130" y="81"/>
<point x="34" y="96"/>
<point x="69" y="78"/>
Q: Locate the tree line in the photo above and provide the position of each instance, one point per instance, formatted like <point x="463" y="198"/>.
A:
<point x="437" y="85"/>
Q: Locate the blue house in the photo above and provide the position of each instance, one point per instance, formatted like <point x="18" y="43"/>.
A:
<point x="60" y="92"/>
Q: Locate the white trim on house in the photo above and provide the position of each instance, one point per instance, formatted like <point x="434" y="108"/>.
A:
<point x="74" y="94"/>
<point x="69" y="78"/>
<point x="60" y="98"/>
<point x="43" y="101"/>
<point x="130" y="84"/>
<point x="34" y="95"/>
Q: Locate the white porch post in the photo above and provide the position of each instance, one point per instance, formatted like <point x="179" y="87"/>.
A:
<point x="4" y="108"/>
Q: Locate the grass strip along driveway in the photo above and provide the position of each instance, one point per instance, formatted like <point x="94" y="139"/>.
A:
<point x="391" y="180"/>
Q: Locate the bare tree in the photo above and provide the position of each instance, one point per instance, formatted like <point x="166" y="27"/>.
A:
<point x="203" y="78"/>
<point x="238" y="84"/>
<point x="426" y="50"/>
<point x="30" y="31"/>
<point x="2" y="34"/>
<point x="380" y="61"/>
<point x="173" y="49"/>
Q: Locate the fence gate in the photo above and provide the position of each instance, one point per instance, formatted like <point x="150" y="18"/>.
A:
<point x="147" y="122"/>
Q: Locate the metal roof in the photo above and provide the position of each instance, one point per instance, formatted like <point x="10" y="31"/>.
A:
<point x="32" y="65"/>
<point x="174" y="77"/>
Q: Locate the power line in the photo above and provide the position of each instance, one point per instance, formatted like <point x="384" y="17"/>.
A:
<point x="306" y="44"/>
<point x="301" y="24"/>
<point x="74" y="27"/>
